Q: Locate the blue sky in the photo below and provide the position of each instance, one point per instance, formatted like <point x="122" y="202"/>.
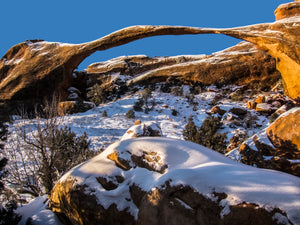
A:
<point x="81" y="21"/>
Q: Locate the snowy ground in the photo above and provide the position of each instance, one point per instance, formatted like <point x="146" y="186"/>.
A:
<point x="103" y="131"/>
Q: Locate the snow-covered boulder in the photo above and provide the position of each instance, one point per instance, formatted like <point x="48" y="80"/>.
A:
<point x="154" y="180"/>
<point x="147" y="129"/>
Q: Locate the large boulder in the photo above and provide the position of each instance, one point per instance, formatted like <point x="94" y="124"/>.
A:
<point x="284" y="133"/>
<point x="167" y="181"/>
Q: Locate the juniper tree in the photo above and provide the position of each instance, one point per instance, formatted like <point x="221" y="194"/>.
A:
<point x="206" y="135"/>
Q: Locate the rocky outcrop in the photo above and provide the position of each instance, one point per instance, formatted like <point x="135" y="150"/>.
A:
<point x="147" y="129"/>
<point x="284" y="133"/>
<point x="167" y="181"/>
<point x="70" y="107"/>
<point x="242" y="64"/>
<point x="287" y="10"/>
<point x="275" y="148"/>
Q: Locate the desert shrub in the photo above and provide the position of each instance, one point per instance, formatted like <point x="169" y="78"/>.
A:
<point x="190" y="131"/>
<point x="72" y="149"/>
<point x="104" y="113"/>
<point x="130" y="114"/>
<point x="190" y="98"/>
<point x="7" y="214"/>
<point x="3" y="163"/>
<point x="97" y="95"/>
<point x="146" y="95"/>
<point x="144" y="102"/>
<point x="138" y="106"/>
<point x="197" y="88"/>
<point x="41" y="153"/>
<point x="207" y="134"/>
<point x="216" y="99"/>
<point x="237" y="96"/>
<point x="171" y="82"/>
<point x="174" y="112"/>
<point x="177" y="91"/>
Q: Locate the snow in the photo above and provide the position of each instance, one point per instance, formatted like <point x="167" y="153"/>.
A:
<point x="140" y="130"/>
<point x="184" y="204"/>
<point x="12" y="61"/>
<point x="189" y="164"/>
<point x="295" y="110"/>
<point x="38" y="212"/>
<point x="279" y="218"/>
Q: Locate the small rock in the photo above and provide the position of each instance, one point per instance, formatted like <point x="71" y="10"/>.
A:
<point x="238" y="111"/>
<point x="276" y="104"/>
<point x="260" y="99"/>
<point x="217" y="110"/>
<point x="137" y="122"/>
<point x="251" y="104"/>
<point x="264" y="108"/>
<point x="269" y="100"/>
<point x="147" y="129"/>
<point x="66" y="107"/>
<point x="281" y="110"/>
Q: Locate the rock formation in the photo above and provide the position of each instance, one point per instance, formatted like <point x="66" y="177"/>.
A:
<point x="287" y="10"/>
<point x="277" y="147"/>
<point x="33" y="69"/>
<point x="147" y="129"/>
<point x="284" y="133"/>
<point x="241" y="64"/>
<point x="168" y="181"/>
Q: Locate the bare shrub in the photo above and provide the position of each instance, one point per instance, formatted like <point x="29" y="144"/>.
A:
<point x="43" y="149"/>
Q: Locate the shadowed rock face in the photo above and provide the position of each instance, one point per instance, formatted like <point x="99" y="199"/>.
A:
<point x="34" y="69"/>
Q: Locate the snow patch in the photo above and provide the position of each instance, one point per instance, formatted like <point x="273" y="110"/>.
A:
<point x="38" y="213"/>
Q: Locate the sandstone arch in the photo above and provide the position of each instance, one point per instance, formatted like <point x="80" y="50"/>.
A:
<point x="36" y="68"/>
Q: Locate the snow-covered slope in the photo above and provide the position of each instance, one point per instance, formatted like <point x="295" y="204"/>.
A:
<point x="103" y="131"/>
